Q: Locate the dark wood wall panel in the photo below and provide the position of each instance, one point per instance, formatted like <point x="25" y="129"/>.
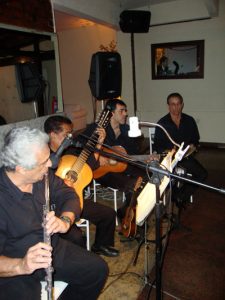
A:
<point x="32" y="14"/>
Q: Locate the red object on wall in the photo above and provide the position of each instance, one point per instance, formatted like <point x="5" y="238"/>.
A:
<point x="54" y="105"/>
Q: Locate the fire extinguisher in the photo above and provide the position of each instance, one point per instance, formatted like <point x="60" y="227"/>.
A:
<point x="54" y="105"/>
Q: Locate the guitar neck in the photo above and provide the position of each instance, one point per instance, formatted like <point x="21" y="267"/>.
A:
<point x="145" y="157"/>
<point x="93" y="140"/>
<point x="142" y="157"/>
<point x="85" y="153"/>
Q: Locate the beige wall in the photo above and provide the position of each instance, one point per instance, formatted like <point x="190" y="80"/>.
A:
<point x="204" y="98"/>
<point x="76" y="47"/>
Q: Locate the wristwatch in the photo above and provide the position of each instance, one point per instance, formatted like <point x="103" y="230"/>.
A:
<point x="66" y="219"/>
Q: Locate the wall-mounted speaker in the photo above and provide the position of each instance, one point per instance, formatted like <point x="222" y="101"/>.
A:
<point x="135" y="21"/>
<point x="105" y="78"/>
<point x="29" y="82"/>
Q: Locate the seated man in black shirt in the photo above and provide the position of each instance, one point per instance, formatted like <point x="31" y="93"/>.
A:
<point x="182" y="128"/>
<point x="24" y="256"/>
<point x="104" y="217"/>
<point x="117" y="135"/>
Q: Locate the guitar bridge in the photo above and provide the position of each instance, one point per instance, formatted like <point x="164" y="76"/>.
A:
<point x="71" y="176"/>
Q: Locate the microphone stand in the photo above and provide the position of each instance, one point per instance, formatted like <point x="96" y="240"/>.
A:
<point x="157" y="171"/>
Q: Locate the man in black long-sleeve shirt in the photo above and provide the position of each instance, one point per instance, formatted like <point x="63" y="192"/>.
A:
<point x="182" y="128"/>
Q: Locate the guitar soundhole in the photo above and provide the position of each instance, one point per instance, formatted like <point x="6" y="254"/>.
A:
<point x="71" y="176"/>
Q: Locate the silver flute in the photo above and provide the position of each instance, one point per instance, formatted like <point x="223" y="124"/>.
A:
<point x="47" y="240"/>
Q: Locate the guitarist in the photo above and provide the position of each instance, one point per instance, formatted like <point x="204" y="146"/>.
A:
<point x="57" y="127"/>
<point x="117" y="134"/>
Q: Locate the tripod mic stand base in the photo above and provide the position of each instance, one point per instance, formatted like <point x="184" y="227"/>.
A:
<point x="149" y="290"/>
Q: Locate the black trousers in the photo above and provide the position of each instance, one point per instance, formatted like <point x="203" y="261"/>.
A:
<point x="198" y="173"/>
<point x="84" y="271"/>
<point x="103" y="217"/>
<point x="124" y="182"/>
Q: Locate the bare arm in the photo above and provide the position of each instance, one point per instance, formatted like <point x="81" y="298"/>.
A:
<point x="57" y="225"/>
<point x="37" y="257"/>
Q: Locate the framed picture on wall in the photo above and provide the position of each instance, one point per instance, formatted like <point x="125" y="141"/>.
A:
<point x="178" y="60"/>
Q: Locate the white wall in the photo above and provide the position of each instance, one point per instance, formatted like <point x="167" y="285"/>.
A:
<point x="204" y="98"/>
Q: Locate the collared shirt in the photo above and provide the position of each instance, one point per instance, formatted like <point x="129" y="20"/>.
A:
<point x="129" y="144"/>
<point x="187" y="133"/>
<point x="21" y="214"/>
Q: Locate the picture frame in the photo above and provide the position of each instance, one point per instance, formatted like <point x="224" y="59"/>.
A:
<point x="178" y="60"/>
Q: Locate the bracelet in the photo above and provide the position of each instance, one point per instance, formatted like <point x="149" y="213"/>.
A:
<point x="66" y="219"/>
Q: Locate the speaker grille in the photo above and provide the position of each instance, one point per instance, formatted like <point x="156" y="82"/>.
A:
<point x="105" y="75"/>
<point x="135" y="21"/>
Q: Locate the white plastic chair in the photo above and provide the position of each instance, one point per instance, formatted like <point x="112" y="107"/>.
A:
<point x="83" y="223"/>
<point x="115" y="194"/>
<point x="59" y="287"/>
<point x="151" y="134"/>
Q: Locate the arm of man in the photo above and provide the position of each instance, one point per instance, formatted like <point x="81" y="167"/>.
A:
<point x="60" y="224"/>
<point x="194" y="132"/>
<point x="37" y="257"/>
<point x="67" y="205"/>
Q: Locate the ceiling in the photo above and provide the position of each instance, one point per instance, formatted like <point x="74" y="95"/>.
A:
<point x="66" y="21"/>
<point x="13" y="42"/>
<point x="14" y="47"/>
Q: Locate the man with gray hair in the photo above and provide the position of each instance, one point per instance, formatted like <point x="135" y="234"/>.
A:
<point x="23" y="254"/>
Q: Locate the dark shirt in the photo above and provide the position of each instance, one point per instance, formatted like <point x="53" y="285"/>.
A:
<point x="21" y="214"/>
<point x="187" y="133"/>
<point x="130" y="144"/>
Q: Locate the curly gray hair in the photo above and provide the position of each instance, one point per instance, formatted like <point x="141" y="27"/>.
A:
<point x="19" y="146"/>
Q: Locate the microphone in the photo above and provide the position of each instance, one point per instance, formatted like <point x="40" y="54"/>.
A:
<point x="134" y="129"/>
<point x="54" y="157"/>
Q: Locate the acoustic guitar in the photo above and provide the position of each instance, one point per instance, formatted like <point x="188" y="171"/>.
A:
<point x="116" y="166"/>
<point x="129" y="227"/>
<point x="112" y="164"/>
<point x="74" y="170"/>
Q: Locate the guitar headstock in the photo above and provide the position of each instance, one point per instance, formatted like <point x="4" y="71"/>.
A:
<point x="104" y="118"/>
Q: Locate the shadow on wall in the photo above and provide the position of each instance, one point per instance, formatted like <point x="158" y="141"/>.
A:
<point x="77" y="114"/>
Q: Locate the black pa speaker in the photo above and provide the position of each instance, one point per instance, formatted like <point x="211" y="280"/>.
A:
<point x="135" y="21"/>
<point x="105" y="78"/>
<point x="29" y="82"/>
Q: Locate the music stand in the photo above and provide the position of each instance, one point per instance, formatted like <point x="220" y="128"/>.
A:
<point x="159" y="189"/>
<point x="158" y="215"/>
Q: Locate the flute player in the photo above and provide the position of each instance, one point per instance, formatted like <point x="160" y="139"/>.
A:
<point x="23" y="255"/>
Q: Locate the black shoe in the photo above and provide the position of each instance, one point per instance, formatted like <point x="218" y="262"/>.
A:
<point x="105" y="250"/>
